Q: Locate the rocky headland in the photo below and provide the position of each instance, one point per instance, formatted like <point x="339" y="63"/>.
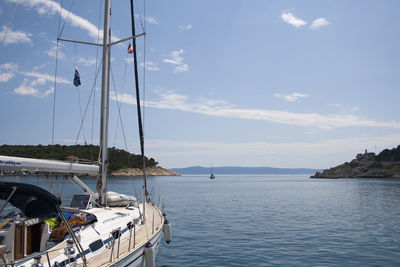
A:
<point x="368" y="165"/>
<point x="152" y="171"/>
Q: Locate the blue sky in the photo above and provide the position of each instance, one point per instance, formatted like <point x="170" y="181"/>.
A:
<point x="228" y="83"/>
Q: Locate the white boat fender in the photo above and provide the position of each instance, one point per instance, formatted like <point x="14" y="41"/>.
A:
<point x="150" y="255"/>
<point x="167" y="231"/>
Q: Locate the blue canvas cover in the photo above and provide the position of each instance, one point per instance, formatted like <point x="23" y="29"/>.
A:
<point x="32" y="200"/>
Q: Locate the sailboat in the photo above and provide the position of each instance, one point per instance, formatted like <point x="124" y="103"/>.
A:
<point x="212" y="176"/>
<point x="97" y="229"/>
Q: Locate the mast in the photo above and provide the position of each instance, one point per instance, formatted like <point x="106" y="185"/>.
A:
<point x="141" y="135"/>
<point x="105" y="82"/>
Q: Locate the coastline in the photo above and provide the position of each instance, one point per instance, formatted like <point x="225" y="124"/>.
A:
<point x="152" y="171"/>
<point x="367" y="165"/>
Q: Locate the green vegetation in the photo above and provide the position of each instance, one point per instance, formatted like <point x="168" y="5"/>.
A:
<point x="368" y="165"/>
<point x="117" y="158"/>
<point x="389" y="155"/>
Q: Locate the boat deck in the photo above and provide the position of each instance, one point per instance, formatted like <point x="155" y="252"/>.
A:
<point x="142" y="234"/>
<point x="153" y="224"/>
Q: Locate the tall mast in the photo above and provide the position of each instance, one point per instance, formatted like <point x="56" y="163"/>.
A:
<point x="141" y="135"/>
<point x="105" y="82"/>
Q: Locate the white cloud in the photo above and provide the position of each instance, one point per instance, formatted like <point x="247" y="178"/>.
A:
<point x="294" y="97"/>
<point x="9" y="67"/>
<point x="39" y="81"/>
<point x="123" y="98"/>
<point x="291" y="19"/>
<point x="52" y="52"/>
<point x="341" y="108"/>
<point x="5" y="77"/>
<point x="183" y="28"/>
<point x="26" y="89"/>
<point x="291" y="97"/>
<point x="151" y="20"/>
<point x="318" y="23"/>
<point x="176" y="59"/>
<point x="46" y="77"/>
<point x="173" y="101"/>
<point x="14" y="37"/>
<point x="150" y="65"/>
<point x="87" y="61"/>
<point x="7" y="71"/>
<point x="279" y="148"/>
<point x="48" y="92"/>
<point x="314" y="154"/>
<point x="49" y="7"/>
<point x="29" y="88"/>
<point x="181" y="68"/>
<point x="40" y="66"/>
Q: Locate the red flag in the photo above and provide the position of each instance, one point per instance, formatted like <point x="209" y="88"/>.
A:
<point x="130" y="49"/>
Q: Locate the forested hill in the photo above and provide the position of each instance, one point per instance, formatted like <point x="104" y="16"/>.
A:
<point x="118" y="158"/>
<point x="368" y="165"/>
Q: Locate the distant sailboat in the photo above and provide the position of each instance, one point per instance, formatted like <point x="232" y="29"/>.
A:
<point x="212" y="176"/>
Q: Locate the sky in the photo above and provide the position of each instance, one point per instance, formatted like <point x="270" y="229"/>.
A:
<point x="278" y="83"/>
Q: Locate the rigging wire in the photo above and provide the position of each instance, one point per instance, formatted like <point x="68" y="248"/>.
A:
<point x="141" y="135"/>
<point x="119" y="110"/>
<point x="79" y="102"/>
<point x="66" y="18"/>
<point x="58" y="187"/>
<point x="54" y="96"/>
<point x="8" y="25"/>
<point x="55" y="76"/>
<point x="144" y="28"/>
<point x="143" y="25"/>
<point x="87" y="105"/>
<point x="94" y="93"/>
<point x="62" y="187"/>
<point x="142" y="20"/>
<point x="123" y="88"/>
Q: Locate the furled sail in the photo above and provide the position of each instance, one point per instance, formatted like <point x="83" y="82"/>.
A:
<point x="8" y="163"/>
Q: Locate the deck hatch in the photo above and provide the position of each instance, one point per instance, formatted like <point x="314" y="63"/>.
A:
<point x="96" y="245"/>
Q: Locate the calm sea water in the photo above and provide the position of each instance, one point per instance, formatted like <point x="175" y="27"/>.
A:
<point x="272" y="220"/>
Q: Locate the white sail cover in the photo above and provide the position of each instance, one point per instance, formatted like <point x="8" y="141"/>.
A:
<point x="8" y="163"/>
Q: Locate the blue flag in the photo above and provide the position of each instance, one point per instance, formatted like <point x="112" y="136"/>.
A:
<point x="77" y="78"/>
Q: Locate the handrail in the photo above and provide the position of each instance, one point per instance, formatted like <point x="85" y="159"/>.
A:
<point x="72" y="234"/>
<point x="32" y="256"/>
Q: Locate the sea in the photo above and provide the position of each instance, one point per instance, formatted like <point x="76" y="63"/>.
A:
<point x="268" y="220"/>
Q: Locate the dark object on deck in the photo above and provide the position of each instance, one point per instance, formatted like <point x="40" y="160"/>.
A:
<point x="32" y="200"/>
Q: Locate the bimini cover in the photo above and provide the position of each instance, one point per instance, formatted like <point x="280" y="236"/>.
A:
<point x="32" y="200"/>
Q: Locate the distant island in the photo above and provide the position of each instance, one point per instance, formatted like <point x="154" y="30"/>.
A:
<point x="367" y="165"/>
<point x="120" y="162"/>
<point x="196" y="170"/>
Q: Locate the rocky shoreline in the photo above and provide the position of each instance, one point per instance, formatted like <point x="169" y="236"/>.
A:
<point x="366" y="165"/>
<point x="153" y="171"/>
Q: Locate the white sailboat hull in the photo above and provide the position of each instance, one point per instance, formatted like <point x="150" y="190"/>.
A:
<point x="137" y="258"/>
<point x="128" y="250"/>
